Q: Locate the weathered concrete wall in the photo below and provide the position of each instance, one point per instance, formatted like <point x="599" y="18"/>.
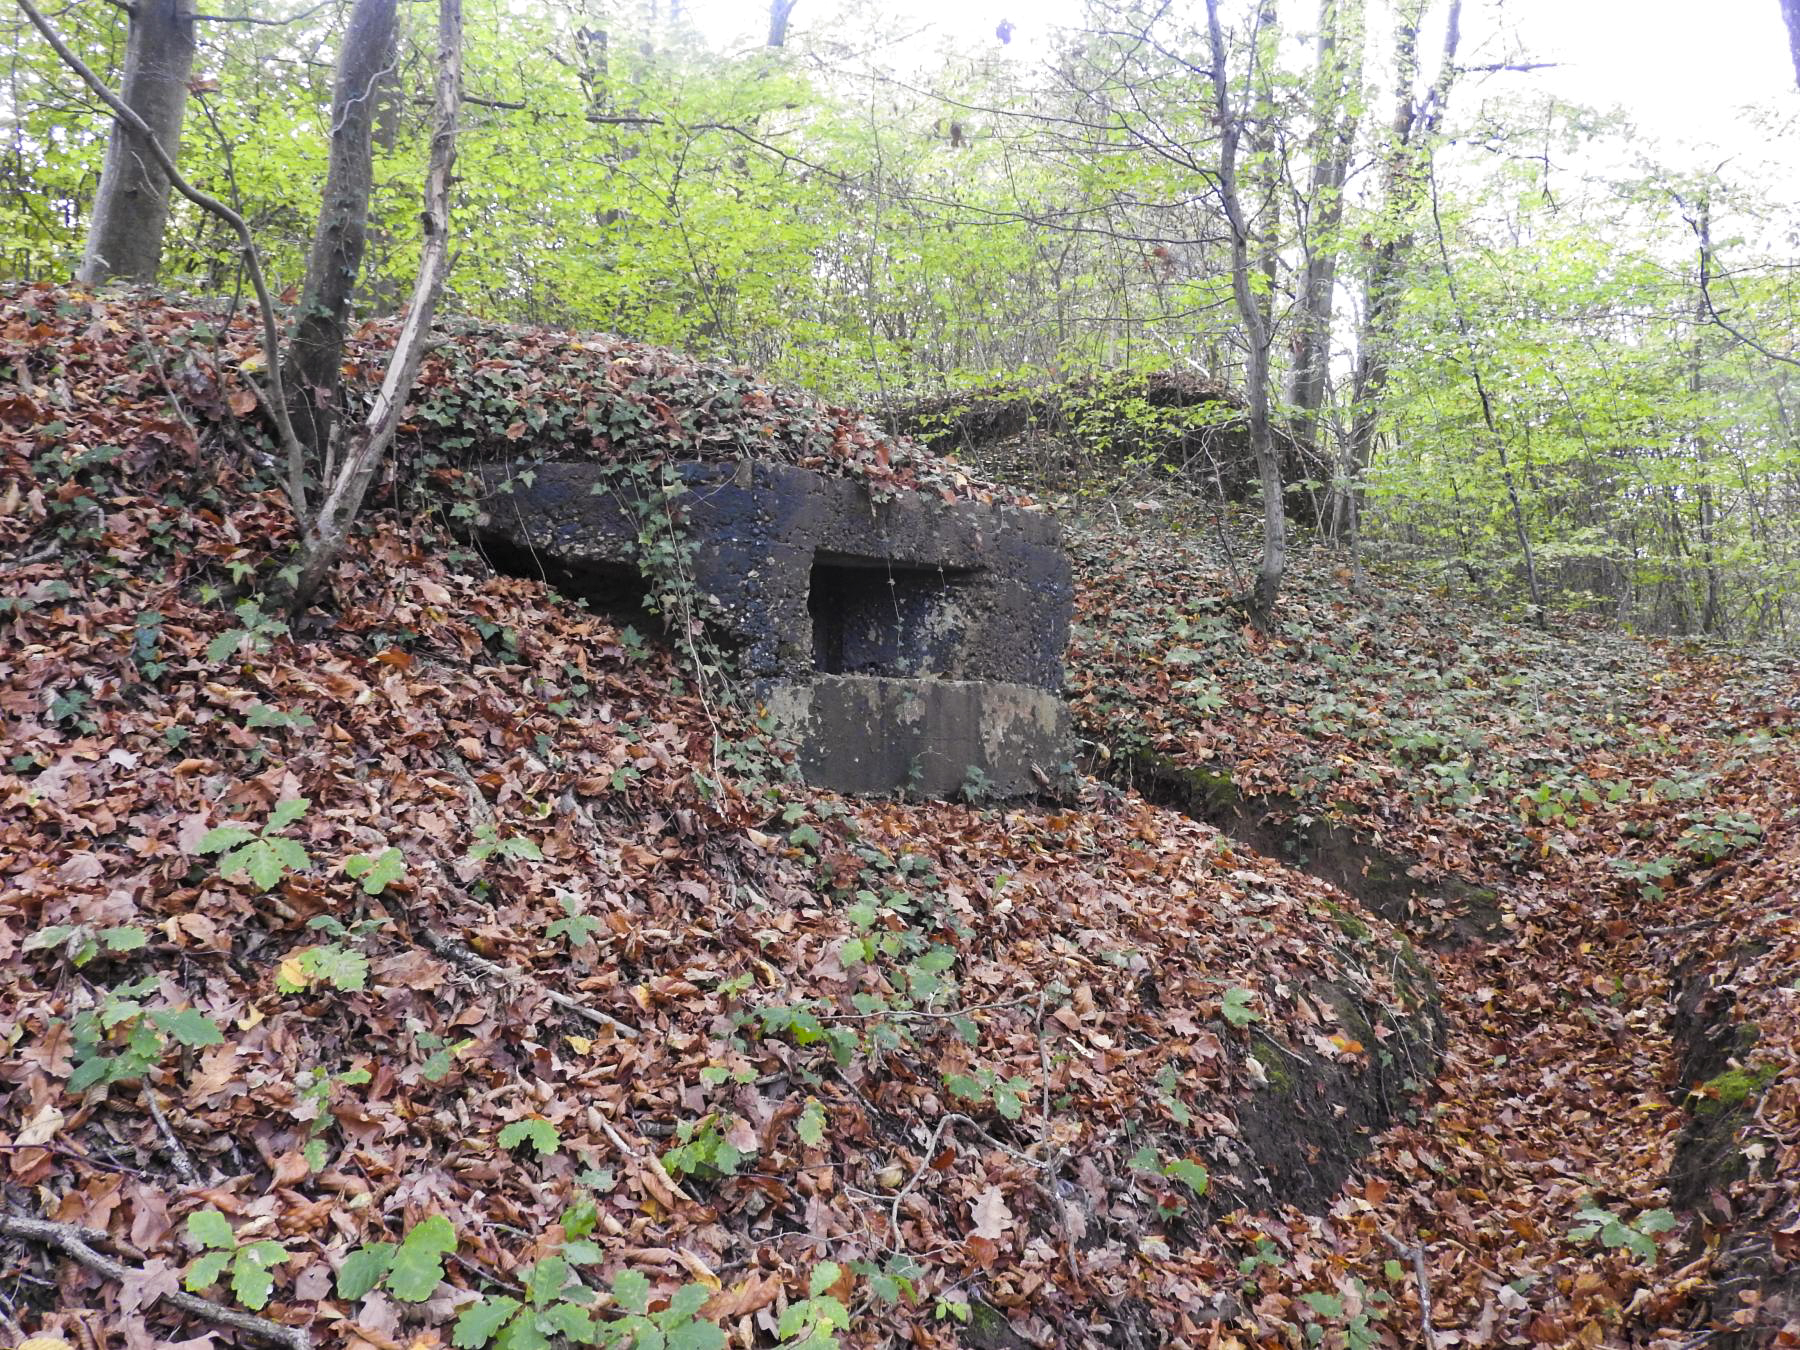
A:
<point x="820" y="585"/>
<point x="935" y="738"/>
<point x="760" y="527"/>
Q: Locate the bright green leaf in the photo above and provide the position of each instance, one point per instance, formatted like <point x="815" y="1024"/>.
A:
<point x="210" y="1228"/>
<point x="363" y="1268"/>
<point x="479" y="1322"/>
<point x="540" y="1134"/>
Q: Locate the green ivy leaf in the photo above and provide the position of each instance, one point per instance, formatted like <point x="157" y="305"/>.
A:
<point x="1324" y="1305"/>
<point x="1192" y="1173"/>
<point x="225" y="644"/>
<point x="1009" y="1096"/>
<point x="1236" y="1007"/>
<point x="540" y="1134"/>
<point x="363" y="1268"/>
<point x="210" y="1228"/>
<point x="961" y="1085"/>
<point x="480" y="1322"/>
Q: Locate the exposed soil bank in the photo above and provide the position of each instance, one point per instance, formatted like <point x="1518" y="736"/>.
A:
<point x="1314" y="1118"/>
<point x="1446" y="911"/>
<point x="1312" y="1122"/>
<point x="1716" y="1149"/>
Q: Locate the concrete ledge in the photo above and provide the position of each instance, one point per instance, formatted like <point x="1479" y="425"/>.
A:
<point x="879" y="734"/>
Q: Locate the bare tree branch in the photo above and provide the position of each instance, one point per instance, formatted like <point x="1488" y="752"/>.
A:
<point x="266" y="23"/>
<point x="72" y="1242"/>
<point x="1701" y="225"/>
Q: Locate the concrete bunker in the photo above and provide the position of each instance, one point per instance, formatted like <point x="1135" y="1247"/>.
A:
<point x="903" y="644"/>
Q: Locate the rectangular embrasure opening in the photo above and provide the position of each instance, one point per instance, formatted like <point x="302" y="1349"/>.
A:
<point x="617" y="590"/>
<point x="871" y="616"/>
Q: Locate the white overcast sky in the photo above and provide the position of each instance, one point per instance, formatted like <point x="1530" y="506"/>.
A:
<point x="1681" y="71"/>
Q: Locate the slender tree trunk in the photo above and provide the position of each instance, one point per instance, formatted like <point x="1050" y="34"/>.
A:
<point x="125" y="235"/>
<point x="780" y="11"/>
<point x="274" y="398"/>
<point x="1405" y="160"/>
<point x="1254" y="318"/>
<point x="326" y="535"/>
<point x="1791" y="10"/>
<point x="1496" y="436"/>
<point x="315" y="353"/>
<point x="1709" y="611"/>
<point x="1337" y="79"/>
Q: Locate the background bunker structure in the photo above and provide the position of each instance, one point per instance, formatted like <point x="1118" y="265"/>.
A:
<point x="905" y="644"/>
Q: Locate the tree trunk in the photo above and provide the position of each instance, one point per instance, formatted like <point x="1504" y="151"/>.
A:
<point x="780" y="11"/>
<point x="1791" y="9"/>
<point x="325" y="537"/>
<point x="125" y="235"/>
<point x="1339" y="73"/>
<point x="1254" y="318"/>
<point x="1472" y="360"/>
<point x="315" y="354"/>
<point x="1404" y="161"/>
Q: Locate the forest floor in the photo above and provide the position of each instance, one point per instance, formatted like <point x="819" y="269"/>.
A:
<point x="457" y="965"/>
<point x="1623" y="1040"/>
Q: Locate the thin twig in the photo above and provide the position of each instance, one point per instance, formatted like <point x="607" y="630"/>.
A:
<point x="178" y="1155"/>
<point x="44" y="554"/>
<point x="1421" y="1277"/>
<point x="72" y="1243"/>
<point x="455" y="951"/>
